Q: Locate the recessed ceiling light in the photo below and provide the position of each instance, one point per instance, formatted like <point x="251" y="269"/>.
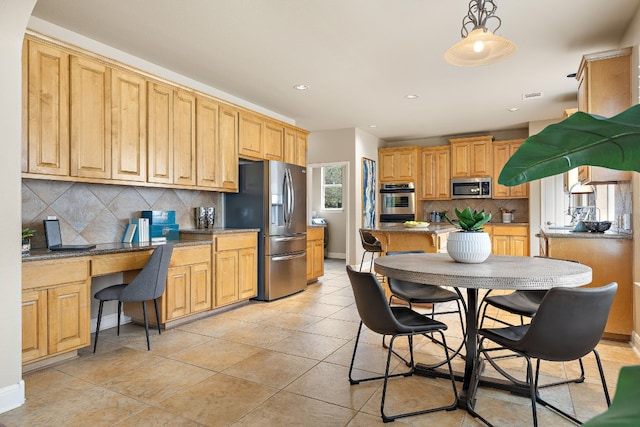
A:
<point x="513" y="109"/>
<point x="413" y="96"/>
<point x="301" y="87"/>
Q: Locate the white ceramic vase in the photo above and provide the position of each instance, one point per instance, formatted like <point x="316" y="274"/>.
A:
<point x="469" y="247"/>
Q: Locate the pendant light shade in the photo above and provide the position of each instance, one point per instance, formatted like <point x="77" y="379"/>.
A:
<point x="479" y="45"/>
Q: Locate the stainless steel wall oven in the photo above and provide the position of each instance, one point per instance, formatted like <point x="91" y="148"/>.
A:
<point x="397" y="202"/>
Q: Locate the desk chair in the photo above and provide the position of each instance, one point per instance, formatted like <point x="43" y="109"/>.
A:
<point x="370" y="244"/>
<point x="376" y="315"/>
<point x="567" y="326"/>
<point x="148" y="285"/>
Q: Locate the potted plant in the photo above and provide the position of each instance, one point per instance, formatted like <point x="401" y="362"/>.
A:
<point x="27" y="234"/>
<point x="471" y="244"/>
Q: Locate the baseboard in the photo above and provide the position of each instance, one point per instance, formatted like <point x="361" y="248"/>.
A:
<point x="635" y="342"/>
<point x="337" y="255"/>
<point x="12" y="397"/>
<point x="109" y="321"/>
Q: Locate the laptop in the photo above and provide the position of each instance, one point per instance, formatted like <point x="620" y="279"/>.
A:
<point x="54" y="238"/>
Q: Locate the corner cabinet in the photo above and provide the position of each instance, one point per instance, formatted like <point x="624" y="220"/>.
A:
<point x="398" y="164"/>
<point x="471" y="157"/>
<point x="236" y="267"/>
<point x="315" y="253"/>
<point x="502" y="152"/>
<point x="436" y="173"/>
<point x="56" y="310"/>
<point x="604" y="88"/>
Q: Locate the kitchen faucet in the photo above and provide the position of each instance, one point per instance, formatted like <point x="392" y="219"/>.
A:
<point x="581" y="213"/>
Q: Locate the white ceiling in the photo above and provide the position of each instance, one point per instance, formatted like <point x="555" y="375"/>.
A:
<point x="361" y="57"/>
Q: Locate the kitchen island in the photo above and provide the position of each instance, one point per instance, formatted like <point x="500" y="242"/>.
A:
<point x="610" y="256"/>
<point x="431" y="239"/>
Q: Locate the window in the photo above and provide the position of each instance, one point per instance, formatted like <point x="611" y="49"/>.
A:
<point x="332" y="187"/>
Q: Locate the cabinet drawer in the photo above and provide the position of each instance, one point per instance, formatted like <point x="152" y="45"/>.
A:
<point x="190" y="255"/>
<point x="510" y="230"/>
<point x="236" y="241"/>
<point x="116" y="263"/>
<point x="38" y="274"/>
<point x="315" y="233"/>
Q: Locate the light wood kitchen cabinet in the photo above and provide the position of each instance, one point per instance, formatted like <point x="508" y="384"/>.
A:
<point x="611" y="260"/>
<point x="236" y="267"/>
<point x="471" y="157"/>
<point x="301" y="147"/>
<point x="509" y="239"/>
<point x="90" y="118"/>
<point x="160" y="132"/>
<point x="315" y="253"/>
<point x="251" y="136"/>
<point x="436" y="173"/>
<point x="47" y="87"/>
<point x="295" y="146"/>
<point x="216" y="145"/>
<point x="273" y="141"/>
<point x="188" y="289"/>
<point x="55" y="308"/>
<point x="184" y="138"/>
<point x="128" y="126"/>
<point x="399" y="164"/>
<point x="502" y="152"/>
<point x="604" y="88"/>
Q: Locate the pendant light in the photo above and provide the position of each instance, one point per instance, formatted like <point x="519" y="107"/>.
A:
<point x="479" y="45"/>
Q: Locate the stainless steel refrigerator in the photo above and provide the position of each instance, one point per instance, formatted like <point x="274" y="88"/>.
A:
<point x="272" y="197"/>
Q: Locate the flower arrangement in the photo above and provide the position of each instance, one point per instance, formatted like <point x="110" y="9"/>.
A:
<point x="469" y="220"/>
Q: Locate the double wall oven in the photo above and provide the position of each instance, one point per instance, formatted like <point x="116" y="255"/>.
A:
<point x="397" y="203"/>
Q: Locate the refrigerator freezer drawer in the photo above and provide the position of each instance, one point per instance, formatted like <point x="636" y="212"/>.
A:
<point x="284" y="275"/>
<point x="285" y="244"/>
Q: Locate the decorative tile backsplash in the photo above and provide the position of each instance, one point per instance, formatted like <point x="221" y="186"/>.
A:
<point x="98" y="213"/>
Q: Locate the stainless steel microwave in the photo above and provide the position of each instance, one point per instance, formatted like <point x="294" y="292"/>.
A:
<point x="471" y="188"/>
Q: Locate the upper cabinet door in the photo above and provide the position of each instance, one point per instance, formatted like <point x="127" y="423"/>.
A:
<point x="160" y="128"/>
<point x="207" y="143"/>
<point x="184" y="138"/>
<point x="90" y="118"/>
<point x="128" y="126"/>
<point x="301" y="148"/>
<point x="290" y="141"/>
<point x="398" y="164"/>
<point x="273" y="141"/>
<point x="251" y="142"/>
<point x="228" y="155"/>
<point x="471" y="157"/>
<point x="48" y="110"/>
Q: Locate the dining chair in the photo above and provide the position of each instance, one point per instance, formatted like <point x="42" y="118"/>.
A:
<point x="370" y="244"/>
<point x="567" y="326"/>
<point x="148" y="285"/>
<point x="525" y="304"/>
<point x="376" y="314"/>
<point x="418" y="293"/>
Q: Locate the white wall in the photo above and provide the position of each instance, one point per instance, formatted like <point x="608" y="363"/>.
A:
<point x="336" y="219"/>
<point x="14" y="15"/>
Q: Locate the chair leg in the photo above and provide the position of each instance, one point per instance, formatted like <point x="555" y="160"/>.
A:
<point x="146" y="324"/>
<point x="95" y="341"/>
<point x="119" y="311"/>
<point x="373" y="254"/>
<point x="155" y="303"/>
<point x="604" y="382"/>
<point x="362" y="260"/>
<point x="532" y="390"/>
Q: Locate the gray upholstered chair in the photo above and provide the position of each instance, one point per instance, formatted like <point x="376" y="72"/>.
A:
<point x="567" y="326"/>
<point x="376" y="314"/>
<point x="148" y="285"/>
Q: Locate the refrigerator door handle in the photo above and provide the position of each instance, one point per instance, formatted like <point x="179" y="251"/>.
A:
<point x="292" y="195"/>
<point x="288" y="197"/>
<point x="288" y="257"/>
<point x="290" y="238"/>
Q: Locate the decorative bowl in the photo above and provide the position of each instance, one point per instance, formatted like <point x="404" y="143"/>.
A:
<point x="416" y="224"/>
<point x="597" y="226"/>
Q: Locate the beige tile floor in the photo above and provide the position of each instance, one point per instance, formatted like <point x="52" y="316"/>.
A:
<point x="282" y="363"/>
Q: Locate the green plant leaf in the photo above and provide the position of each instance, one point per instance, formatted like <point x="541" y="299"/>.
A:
<point x="579" y="140"/>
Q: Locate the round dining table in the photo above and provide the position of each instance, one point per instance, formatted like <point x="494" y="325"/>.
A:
<point x="497" y="272"/>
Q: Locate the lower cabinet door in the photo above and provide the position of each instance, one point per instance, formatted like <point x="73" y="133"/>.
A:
<point x="200" y="288"/>
<point x="34" y="325"/>
<point x="69" y="317"/>
<point x="177" y="293"/>
<point x="227" y="270"/>
<point x="248" y="267"/>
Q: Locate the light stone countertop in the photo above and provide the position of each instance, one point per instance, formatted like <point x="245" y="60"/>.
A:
<point x="440" y="228"/>
<point x="568" y="234"/>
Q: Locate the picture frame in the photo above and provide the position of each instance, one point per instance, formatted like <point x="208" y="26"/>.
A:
<point x="368" y="193"/>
